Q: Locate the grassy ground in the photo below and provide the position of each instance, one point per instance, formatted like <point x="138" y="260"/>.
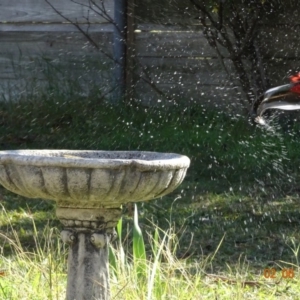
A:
<point x="235" y="215"/>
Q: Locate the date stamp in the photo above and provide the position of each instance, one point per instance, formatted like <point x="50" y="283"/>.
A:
<point x="272" y="273"/>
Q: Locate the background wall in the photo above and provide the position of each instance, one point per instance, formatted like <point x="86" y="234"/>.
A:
<point x="38" y="47"/>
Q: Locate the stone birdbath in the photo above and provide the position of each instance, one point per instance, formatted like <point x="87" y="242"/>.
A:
<point x="89" y="188"/>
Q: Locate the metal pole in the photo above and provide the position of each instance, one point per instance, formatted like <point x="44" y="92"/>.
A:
<point x="119" y="49"/>
<point x="130" y="52"/>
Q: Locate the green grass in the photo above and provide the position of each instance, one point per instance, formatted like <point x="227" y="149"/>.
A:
<point x="168" y="270"/>
<point x="236" y="213"/>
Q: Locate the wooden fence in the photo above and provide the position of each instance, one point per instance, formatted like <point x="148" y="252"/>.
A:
<point x="39" y="47"/>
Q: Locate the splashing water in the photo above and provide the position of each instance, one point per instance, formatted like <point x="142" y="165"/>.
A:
<point x="261" y="121"/>
<point x="284" y="97"/>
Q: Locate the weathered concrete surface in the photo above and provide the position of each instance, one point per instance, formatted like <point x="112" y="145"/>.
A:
<point x="90" y="179"/>
<point x="88" y="272"/>
<point x="88" y="233"/>
<point x="95" y="218"/>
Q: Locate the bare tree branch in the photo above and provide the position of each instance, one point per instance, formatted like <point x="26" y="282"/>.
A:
<point x="202" y="8"/>
<point x="249" y="35"/>
<point x="235" y="29"/>
<point x="147" y="78"/>
<point x="86" y="35"/>
<point x="104" y="14"/>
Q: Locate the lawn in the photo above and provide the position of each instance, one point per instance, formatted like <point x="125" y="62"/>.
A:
<point x="230" y="231"/>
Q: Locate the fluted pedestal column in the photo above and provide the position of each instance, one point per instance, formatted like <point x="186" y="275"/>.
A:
<point x="88" y="233"/>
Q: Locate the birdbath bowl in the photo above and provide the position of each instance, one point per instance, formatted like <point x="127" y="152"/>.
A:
<point x="89" y="188"/>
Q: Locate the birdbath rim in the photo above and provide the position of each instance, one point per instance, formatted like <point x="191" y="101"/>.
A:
<point x="95" y="158"/>
<point x="90" y="179"/>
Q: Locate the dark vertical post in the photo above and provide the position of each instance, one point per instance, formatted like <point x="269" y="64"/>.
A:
<point x="130" y="51"/>
<point x="119" y="49"/>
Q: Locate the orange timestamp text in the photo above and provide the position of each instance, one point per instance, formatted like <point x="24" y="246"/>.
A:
<point x="285" y="273"/>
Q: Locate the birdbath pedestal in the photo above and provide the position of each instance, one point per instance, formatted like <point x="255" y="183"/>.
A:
<point x="89" y="188"/>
